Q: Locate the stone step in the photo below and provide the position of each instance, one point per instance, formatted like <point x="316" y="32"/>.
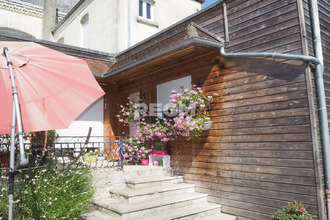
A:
<point x="191" y="212"/>
<point x="146" y="182"/>
<point x="120" y="210"/>
<point x="151" y="193"/>
<point x="219" y="216"/>
<point x="132" y="172"/>
<point x="95" y="215"/>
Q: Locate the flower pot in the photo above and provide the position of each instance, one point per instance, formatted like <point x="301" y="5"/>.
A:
<point x="144" y="162"/>
<point x="207" y="125"/>
<point x="159" y="152"/>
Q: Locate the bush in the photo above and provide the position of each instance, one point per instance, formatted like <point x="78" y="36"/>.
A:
<point x="49" y="193"/>
<point x="296" y="210"/>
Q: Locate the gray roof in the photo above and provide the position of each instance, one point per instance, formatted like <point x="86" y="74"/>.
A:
<point x="62" y="5"/>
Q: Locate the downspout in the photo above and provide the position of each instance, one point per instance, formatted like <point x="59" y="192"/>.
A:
<point x="128" y="23"/>
<point x="322" y="102"/>
<point x="319" y="70"/>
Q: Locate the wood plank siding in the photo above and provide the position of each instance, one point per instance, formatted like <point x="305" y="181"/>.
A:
<point x="263" y="149"/>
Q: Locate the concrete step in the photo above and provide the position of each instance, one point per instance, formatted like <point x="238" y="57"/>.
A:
<point x="119" y="210"/>
<point x="219" y="216"/>
<point x="191" y="212"/>
<point x="95" y="215"/>
<point x="130" y="195"/>
<point x="132" y="172"/>
<point x="146" y="182"/>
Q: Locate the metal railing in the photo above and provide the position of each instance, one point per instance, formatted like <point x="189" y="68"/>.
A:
<point x="93" y="152"/>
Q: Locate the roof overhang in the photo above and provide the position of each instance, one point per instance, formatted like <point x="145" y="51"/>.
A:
<point x="183" y="50"/>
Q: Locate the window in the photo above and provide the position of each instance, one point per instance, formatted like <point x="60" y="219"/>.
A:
<point x="146" y="9"/>
<point x="164" y="91"/>
<point x="84" y="32"/>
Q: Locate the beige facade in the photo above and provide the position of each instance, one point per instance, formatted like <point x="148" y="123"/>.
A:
<point x="114" y="25"/>
<point x="21" y="18"/>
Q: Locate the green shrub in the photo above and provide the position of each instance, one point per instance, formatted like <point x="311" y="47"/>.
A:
<point x="49" y="193"/>
<point x="296" y="210"/>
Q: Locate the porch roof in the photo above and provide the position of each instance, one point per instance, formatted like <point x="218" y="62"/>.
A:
<point x="179" y="52"/>
<point x="192" y="41"/>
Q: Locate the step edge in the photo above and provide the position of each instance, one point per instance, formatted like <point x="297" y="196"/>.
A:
<point x="170" y="200"/>
<point x="128" y="192"/>
<point x="187" y="210"/>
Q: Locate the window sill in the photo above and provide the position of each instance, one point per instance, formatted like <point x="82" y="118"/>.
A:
<point x="147" y="22"/>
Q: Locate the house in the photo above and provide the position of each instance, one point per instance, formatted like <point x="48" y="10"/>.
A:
<point x="109" y="26"/>
<point x="268" y="143"/>
<point x="114" y="25"/>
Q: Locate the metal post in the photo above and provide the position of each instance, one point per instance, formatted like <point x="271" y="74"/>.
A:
<point x="23" y="159"/>
<point x="121" y="152"/>
<point x="12" y="164"/>
<point x="16" y="117"/>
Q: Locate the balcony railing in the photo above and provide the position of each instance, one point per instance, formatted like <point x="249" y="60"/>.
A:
<point x="94" y="152"/>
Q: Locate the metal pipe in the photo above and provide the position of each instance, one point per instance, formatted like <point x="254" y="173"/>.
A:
<point x="12" y="164"/>
<point x="321" y="101"/>
<point x="23" y="159"/>
<point x="128" y="23"/>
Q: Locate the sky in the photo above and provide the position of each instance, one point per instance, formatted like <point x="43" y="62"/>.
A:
<point x="208" y="2"/>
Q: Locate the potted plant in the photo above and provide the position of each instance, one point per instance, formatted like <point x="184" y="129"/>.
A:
<point x="136" y="150"/>
<point x="295" y="210"/>
<point x="184" y="117"/>
<point x="159" y="148"/>
<point x="90" y="157"/>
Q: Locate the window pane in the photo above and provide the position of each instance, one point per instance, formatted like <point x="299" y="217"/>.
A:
<point x="148" y="11"/>
<point x="141" y="8"/>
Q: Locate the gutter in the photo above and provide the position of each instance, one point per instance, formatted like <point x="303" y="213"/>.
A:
<point x="183" y="44"/>
<point x="319" y="71"/>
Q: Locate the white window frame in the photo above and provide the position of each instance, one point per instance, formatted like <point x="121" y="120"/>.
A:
<point x="144" y="9"/>
<point x="84" y="31"/>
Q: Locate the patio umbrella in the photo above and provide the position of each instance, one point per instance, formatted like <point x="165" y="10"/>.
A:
<point x="41" y="89"/>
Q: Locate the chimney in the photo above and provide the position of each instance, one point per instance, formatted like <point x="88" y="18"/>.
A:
<point x="48" y="19"/>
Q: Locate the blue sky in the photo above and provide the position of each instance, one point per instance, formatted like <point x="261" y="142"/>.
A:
<point x="208" y="2"/>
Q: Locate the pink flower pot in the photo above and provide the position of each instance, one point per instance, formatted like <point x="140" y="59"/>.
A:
<point x="159" y="152"/>
<point x="144" y="162"/>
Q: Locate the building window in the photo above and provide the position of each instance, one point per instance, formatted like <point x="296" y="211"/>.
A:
<point x="84" y="31"/>
<point x="146" y="9"/>
<point x="164" y="91"/>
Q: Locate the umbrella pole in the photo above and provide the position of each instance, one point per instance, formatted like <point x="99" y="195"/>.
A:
<point x="16" y="115"/>
<point x="23" y="159"/>
<point x="12" y="164"/>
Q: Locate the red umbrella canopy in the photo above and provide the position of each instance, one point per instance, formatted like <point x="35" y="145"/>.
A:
<point x="53" y="88"/>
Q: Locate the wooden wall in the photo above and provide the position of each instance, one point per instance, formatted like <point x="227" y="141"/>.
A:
<point x="260" y="153"/>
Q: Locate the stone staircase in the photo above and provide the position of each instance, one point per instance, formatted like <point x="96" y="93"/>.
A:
<point x="150" y="193"/>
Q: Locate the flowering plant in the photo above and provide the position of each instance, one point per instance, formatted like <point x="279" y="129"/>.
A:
<point x="295" y="210"/>
<point x="135" y="150"/>
<point x="184" y="116"/>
